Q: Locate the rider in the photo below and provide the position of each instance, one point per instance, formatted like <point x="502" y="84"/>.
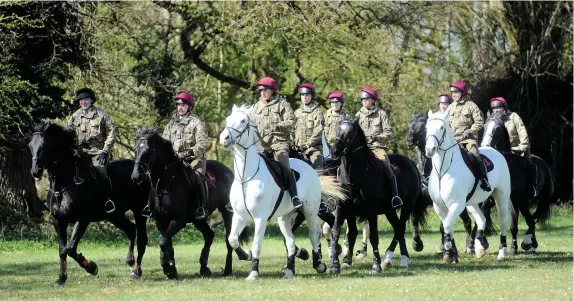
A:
<point x="443" y="101"/>
<point x="309" y="126"/>
<point x="519" y="142"/>
<point x="378" y="130"/>
<point x="274" y="125"/>
<point x="95" y="132"/>
<point x="334" y="115"/>
<point x="189" y="138"/>
<point x="466" y="121"/>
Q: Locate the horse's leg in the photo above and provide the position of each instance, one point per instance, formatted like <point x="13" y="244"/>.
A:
<point x="335" y="233"/>
<point x="208" y="235"/>
<point x="77" y="233"/>
<point x="441" y="229"/>
<point x="141" y="240"/>
<point x="467" y="222"/>
<point x="260" y="225"/>
<point x="362" y="252"/>
<point x="298" y="219"/>
<point x="481" y="243"/>
<point x="351" y="238"/>
<point x="514" y="230"/>
<point x="166" y="248"/>
<point x="400" y="237"/>
<point x="227" y="220"/>
<point x="61" y="229"/>
<point x="289" y="239"/>
<point x="124" y="224"/>
<point x="374" y="238"/>
<point x="315" y="237"/>
<point x="442" y="211"/>
<point x="529" y="243"/>
<point x="504" y="205"/>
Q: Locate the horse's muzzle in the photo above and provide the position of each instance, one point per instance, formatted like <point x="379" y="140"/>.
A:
<point x="137" y="177"/>
<point x="36" y="171"/>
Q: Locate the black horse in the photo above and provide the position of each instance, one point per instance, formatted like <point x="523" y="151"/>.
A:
<point x="521" y="197"/>
<point x="416" y="139"/>
<point x="174" y="198"/>
<point x="77" y="195"/>
<point x="371" y="195"/>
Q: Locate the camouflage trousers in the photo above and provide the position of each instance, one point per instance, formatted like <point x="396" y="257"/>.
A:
<point x="316" y="158"/>
<point x="282" y="156"/>
<point x="472" y="147"/>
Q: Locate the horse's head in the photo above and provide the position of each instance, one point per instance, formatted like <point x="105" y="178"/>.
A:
<point x="437" y="130"/>
<point x="417" y="131"/>
<point x="350" y="137"/>
<point x="49" y="142"/>
<point x="495" y="133"/>
<point x="147" y="140"/>
<point x="238" y="128"/>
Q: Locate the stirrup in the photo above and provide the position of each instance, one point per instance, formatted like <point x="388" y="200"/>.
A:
<point x="396" y="201"/>
<point x="146" y="211"/>
<point x="109" y="204"/>
<point x="296" y="202"/>
<point x="200" y="213"/>
<point x="534" y="191"/>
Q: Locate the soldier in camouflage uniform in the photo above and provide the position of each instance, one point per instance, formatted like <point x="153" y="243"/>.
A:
<point x="275" y="122"/>
<point x="334" y="115"/>
<point x="466" y="120"/>
<point x="378" y="131"/>
<point x="95" y="132"/>
<point x="189" y="139"/>
<point x="519" y="142"/>
<point x="309" y="126"/>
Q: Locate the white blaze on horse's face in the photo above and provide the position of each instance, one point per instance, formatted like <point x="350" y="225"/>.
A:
<point x="435" y="132"/>
<point x="488" y="133"/>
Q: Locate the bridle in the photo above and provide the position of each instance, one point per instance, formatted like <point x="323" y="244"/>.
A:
<point x="347" y="142"/>
<point x="440" y="142"/>
<point x="148" y="169"/>
<point x="246" y="129"/>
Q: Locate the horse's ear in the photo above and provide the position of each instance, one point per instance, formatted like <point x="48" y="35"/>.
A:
<point x="487" y="114"/>
<point x="429" y="114"/>
<point x="139" y="130"/>
<point x="234" y="108"/>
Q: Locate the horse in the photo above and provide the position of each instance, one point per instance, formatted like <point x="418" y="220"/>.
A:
<point x="371" y="194"/>
<point x="174" y="198"/>
<point x="416" y="140"/>
<point x="76" y="196"/>
<point x="496" y="136"/>
<point x="258" y="192"/>
<point x="452" y="185"/>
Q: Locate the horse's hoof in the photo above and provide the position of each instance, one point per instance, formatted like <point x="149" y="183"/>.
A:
<point x="376" y="269"/>
<point x="447" y="259"/>
<point x="531" y="250"/>
<point x="205" y="271"/>
<point x="513" y="251"/>
<point x="302" y="254"/>
<point x="386" y="265"/>
<point x="335" y="270"/>
<point x="288" y="274"/>
<point x="92" y="268"/>
<point x="404" y="262"/>
<point x="418" y="246"/>
<point x="361" y="255"/>
<point x="321" y="268"/>
<point x="253" y="276"/>
<point x="479" y="253"/>
<point x="60" y="282"/>
<point x="469" y="251"/>
<point x="455" y="260"/>
<point x="134" y="276"/>
<point x="172" y="276"/>
<point x="346" y="265"/>
<point x="525" y="246"/>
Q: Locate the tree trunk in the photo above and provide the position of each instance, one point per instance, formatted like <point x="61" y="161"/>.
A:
<point x="18" y="195"/>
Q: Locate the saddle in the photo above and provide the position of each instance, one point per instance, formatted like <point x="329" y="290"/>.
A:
<point x="188" y="171"/>
<point x="278" y="172"/>
<point x="472" y="162"/>
<point x="380" y="167"/>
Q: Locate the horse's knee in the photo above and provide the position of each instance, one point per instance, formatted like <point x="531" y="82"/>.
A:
<point x="233" y="241"/>
<point x="70" y="252"/>
<point x="164" y="243"/>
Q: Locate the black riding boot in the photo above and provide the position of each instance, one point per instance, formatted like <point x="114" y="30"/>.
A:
<point x="483" y="176"/>
<point x="201" y="213"/>
<point x="396" y="201"/>
<point x="293" y="191"/>
<point x="532" y="178"/>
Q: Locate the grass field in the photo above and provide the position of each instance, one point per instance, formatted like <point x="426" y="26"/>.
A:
<point x="29" y="267"/>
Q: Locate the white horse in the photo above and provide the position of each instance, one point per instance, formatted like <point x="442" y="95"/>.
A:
<point x="451" y="181"/>
<point x="254" y="193"/>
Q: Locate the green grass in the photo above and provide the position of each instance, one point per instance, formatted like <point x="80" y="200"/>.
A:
<point x="29" y="267"/>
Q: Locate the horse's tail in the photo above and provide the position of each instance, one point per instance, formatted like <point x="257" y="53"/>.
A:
<point x="332" y="189"/>
<point x="543" y="208"/>
<point x="419" y="213"/>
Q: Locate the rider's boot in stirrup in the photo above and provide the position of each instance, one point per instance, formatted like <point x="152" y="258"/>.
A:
<point x="293" y="191"/>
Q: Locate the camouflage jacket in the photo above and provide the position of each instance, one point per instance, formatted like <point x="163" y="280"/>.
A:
<point x="332" y="119"/>
<point x="376" y="125"/>
<point x="275" y="121"/>
<point x="309" y="126"/>
<point x="188" y="136"/>
<point x="517" y="134"/>
<point x="465" y="119"/>
<point x="95" y="130"/>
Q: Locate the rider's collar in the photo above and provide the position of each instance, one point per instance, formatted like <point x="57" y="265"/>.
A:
<point x="272" y="101"/>
<point x="89" y="112"/>
<point x="309" y="107"/>
<point x="368" y="111"/>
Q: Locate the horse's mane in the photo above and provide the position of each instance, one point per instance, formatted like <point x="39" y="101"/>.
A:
<point x="62" y="136"/>
<point x="248" y="110"/>
<point x="153" y="135"/>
